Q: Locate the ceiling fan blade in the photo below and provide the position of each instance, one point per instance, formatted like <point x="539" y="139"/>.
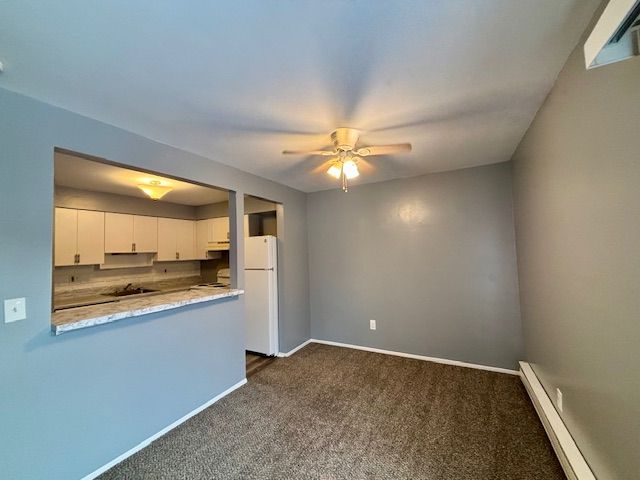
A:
<point x="383" y="149"/>
<point x="325" y="153"/>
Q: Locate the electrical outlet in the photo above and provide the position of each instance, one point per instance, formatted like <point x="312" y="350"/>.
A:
<point x="559" y="399"/>
<point x="372" y="324"/>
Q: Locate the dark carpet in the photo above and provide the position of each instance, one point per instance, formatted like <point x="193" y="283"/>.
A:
<point x="336" y="413"/>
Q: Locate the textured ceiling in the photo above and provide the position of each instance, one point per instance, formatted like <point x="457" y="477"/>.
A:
<point x="238" y="81"/>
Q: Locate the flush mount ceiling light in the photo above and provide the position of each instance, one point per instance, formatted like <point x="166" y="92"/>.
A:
<point x="345" y="165"/>
<point x="154" y="189"/>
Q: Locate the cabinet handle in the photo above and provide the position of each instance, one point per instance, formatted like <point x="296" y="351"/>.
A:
<point x="77" y="258"/>
<point x="133" y="247"/>
<point x="177" y="255"/>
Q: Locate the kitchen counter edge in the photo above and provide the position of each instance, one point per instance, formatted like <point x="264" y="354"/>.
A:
<point x="84" y="317"/>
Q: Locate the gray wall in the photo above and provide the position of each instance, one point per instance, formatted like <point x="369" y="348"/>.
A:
<point x="110" y="202"/>
<point x="577" y="197"/>
<point x="257" y="205"/>
<point x="431" y="258"/>
<point x="212" y="210"/>
<point x="220" y="209"/>
<point x="72" y="403"/>
<point x="269" y="223"/>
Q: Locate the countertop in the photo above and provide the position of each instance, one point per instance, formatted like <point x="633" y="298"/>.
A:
<point x="173" y="294"/>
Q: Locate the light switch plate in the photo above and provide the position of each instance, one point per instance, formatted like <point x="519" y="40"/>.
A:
<point x="15" y="309"/>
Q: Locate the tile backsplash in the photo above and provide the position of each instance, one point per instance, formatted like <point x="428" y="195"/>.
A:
<point x="73" y="277"/>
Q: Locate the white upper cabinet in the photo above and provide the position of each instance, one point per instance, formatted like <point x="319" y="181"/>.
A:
<point x="118" y="233"/>
<point x="204" y="235"/>
<point x="90" y="237"/>
<point x="220" y="229"/>
<point x="166" y="239"/>
<point x="130" y="233"/>
<point x="79" y="237"/>
<point x="145" y="233"/>
<point x="176" y="239"/>
<point x="66" y="237"/>
<point x="186" y="239"/>
<point x="212" y="234"/>
<point x="82" y="237"/>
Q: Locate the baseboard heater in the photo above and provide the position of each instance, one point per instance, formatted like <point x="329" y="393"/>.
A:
<point x="573" y="463"/>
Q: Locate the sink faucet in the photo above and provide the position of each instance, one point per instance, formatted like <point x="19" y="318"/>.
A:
<point x="129" y="285"/>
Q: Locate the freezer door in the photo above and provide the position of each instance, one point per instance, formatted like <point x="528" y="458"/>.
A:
<point x="261" y="311"/>
<point x="260" y="252"/>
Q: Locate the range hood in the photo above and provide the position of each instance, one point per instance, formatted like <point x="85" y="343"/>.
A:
<point x="217" y="246"/>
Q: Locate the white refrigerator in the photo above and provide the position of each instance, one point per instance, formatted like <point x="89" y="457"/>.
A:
<point x="261" y="294"/>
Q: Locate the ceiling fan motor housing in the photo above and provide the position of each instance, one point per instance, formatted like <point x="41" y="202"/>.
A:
<point x="345" y="138"/>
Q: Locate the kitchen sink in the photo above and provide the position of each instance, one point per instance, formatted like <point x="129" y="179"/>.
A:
<point x="129" y="291"/>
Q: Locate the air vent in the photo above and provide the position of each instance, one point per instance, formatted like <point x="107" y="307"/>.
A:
<point x="629" y="23"/>
<point x="616" y="34"/>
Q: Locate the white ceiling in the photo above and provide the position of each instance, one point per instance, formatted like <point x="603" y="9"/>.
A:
<point x="76" y="172"/>
<point x="238" y="81"/>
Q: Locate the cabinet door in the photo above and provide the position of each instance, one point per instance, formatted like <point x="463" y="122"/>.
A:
<point x="118" y="233"/>
<point x="186" y="239"/>
<point x="65" y="236"/>
<point x="90" y="237"/>
<point x="211" y="237"/>
<point x="145" y="233"/>
<point x="167" y="247"/>
<point x="220" y="229"/>
<point x="203" y="233"/>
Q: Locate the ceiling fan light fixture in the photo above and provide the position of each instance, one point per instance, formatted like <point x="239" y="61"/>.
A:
<point x="335" y="170"/>
<point x="344" y="165"/>
<point x="350" y="168"/>
<point x="154" y="189"/>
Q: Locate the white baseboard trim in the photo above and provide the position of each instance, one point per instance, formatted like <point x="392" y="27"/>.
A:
<point x="573" y="463"/>
<point x="155" y="436"/>
<point x="291" y="352"/>
<point x="418" y="357"/>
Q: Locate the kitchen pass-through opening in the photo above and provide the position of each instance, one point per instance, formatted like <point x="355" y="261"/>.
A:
<point x="121" y="233"/>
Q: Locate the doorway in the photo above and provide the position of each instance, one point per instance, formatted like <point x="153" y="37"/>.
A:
<point x="256" y="362"/>
<point x="261" y="255"/>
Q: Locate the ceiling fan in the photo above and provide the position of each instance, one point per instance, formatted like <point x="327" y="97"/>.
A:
<point x="345" y="164"/>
